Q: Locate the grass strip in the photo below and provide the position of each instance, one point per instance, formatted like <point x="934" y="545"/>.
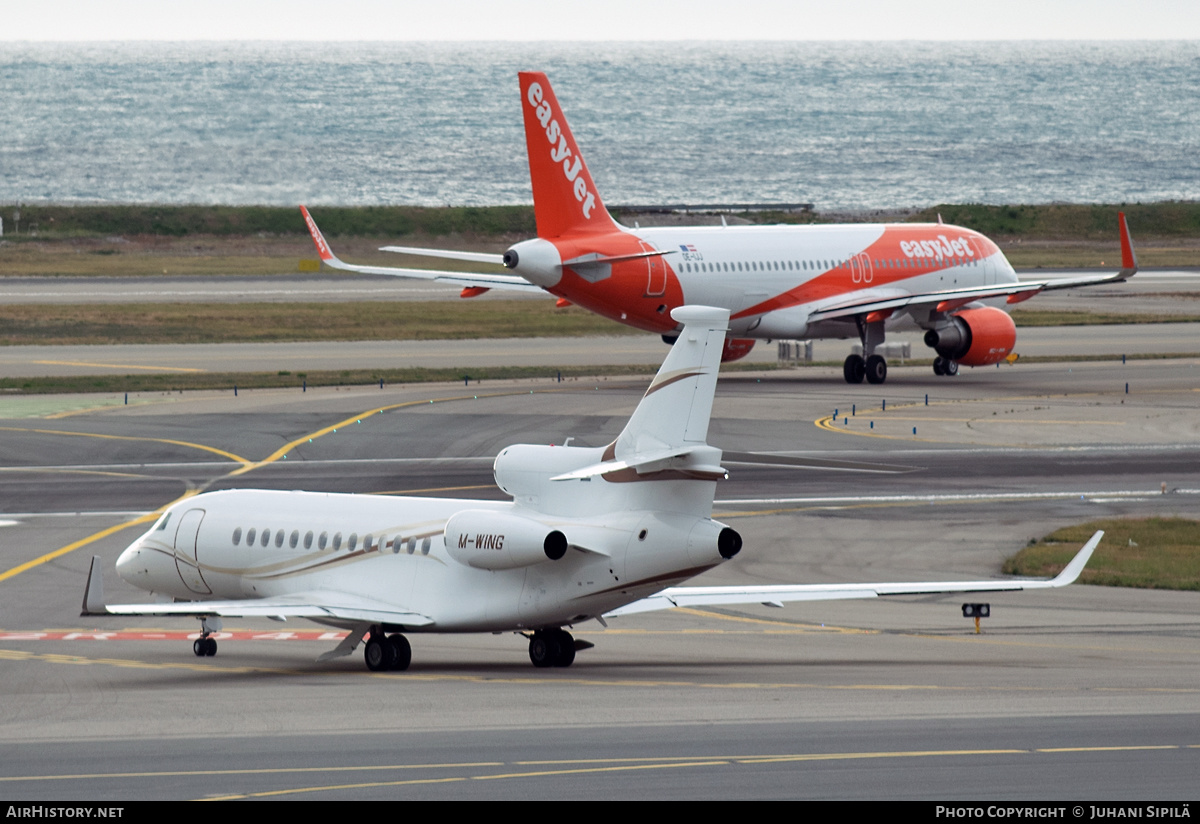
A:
<point x="335" y="221"/>
<point x="76" y="324"/>
<point x="1046" y="317"/>
<point x="189" y="381"/>
<point x="90" y="324"/>
<point x="1149" y="553"/>
<point x="1169" y="219"/>
<point x="194" y="381"/>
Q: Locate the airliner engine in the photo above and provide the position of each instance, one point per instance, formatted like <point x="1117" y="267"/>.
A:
<point x="736" y="349"/>
<point x="975" y="337"/>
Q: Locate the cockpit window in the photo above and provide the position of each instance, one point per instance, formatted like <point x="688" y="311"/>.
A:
<point x="162" y="522"/>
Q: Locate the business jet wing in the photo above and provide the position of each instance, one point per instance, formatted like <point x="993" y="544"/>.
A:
<point x="947" y="300"/>
<point x="316" y="604"/>
<point x="476" y="280"/>
<point x="776" y="595"/>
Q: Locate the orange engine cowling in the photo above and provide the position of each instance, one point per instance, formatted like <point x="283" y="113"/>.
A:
<point x="975" y="337"/>
<point x="736" y="349"/>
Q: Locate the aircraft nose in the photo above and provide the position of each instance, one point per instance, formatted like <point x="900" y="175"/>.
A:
<point x="131" y="564"/>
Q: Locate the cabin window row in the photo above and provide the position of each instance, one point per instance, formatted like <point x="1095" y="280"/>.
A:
<point x="816" y="265"/>
<point x="324" y="541"/>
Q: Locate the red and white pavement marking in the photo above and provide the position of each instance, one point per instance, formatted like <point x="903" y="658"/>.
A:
<point x="137" y="635"/>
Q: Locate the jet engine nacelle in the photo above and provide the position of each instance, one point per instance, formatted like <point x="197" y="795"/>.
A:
<point x="736" y="349"/>
<point x="488" y="539"/>
<point x="975" y="337"/>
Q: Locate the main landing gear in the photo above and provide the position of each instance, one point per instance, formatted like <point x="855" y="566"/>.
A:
<point x="551" y="648"/>
<point x="387" y="652"/>
<point x="945" y="366"/>
<point x="874" y="369"/>
<point x="206" y="646"/>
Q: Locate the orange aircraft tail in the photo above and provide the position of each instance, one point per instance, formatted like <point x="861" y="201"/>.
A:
<point x="565" y="200"/>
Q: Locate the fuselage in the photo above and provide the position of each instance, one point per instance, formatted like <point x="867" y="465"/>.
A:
<point x="252" y="544"/>
<point x="771" y="278"/>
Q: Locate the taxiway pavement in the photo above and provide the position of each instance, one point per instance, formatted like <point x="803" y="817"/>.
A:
<point x="552" y="353"/>
<point x="1082" y="693"/>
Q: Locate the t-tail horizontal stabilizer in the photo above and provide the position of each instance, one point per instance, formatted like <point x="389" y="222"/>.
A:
<point x="675" y="410"/>
<point x="667" y="432"/>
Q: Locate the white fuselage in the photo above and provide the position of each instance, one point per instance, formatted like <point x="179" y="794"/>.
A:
<point x="249" y="544"/>
<point x="745" y="268"/>
<point x="770" y="278"/>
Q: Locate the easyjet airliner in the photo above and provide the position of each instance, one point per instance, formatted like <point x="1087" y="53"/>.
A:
<point x="778" y="282"/>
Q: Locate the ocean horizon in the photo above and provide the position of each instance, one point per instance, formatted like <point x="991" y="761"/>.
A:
<point x="845" y="126"/>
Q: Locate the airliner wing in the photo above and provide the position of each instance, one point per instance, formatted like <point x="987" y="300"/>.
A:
<point x="317" y="604"/>
<point x="948" y="300"/>
<point x="476" y="280"/>
<point x="776" y="595"/>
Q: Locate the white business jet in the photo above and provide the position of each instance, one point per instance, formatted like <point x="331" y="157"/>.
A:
<point x="590" y="533"/>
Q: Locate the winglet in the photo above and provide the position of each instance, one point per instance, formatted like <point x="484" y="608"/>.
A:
<point x="93" y="593"/>
<point x="1072" y="570"/>
<point x="323" y="250"/>
<point x="1129" y="264"/>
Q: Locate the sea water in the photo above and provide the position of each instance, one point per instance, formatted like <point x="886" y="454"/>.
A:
<point x="846" y="126"/>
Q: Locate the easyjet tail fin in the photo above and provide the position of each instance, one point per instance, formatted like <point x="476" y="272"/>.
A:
<point x="565" y="200"/>
<point x="1129" y="264"/>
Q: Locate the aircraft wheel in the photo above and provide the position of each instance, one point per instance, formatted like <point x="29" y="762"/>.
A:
<point x="566" y="649"/>
<point x="210" y="647"/>
<point x="854" y="369"/>
<point x="199" y="647"/>
<point x="876" y="369"/>
<point x="939" y="366"/>
<point x="951" y="368"/>
<point x="545" y="649"/>
<point x="378" y="654"/>
<point x="401" y="652"/>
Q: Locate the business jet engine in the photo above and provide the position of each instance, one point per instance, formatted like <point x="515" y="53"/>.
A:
<point x="486" y="539"/>
<point x="975" y="337"/>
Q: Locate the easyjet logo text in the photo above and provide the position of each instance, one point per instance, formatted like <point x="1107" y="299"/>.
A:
<point x="940" y="248"/>
<point x="559" y="152"/>
<point x="318" y="238"/>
